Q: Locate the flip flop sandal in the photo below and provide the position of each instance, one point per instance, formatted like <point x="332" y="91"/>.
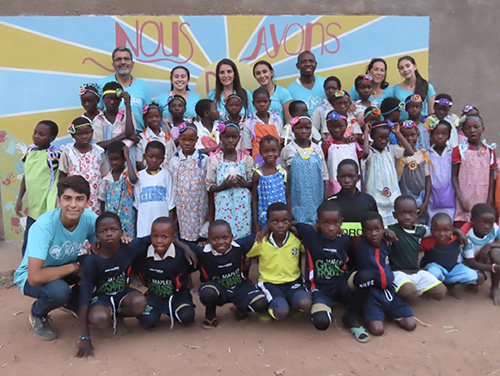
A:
<point x="360" y="334"/>
<point x="210" y="324"/>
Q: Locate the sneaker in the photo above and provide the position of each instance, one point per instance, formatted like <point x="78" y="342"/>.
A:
<point x="42" y="328"/>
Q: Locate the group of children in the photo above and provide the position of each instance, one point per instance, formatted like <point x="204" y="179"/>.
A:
<point x="353" y="187"/>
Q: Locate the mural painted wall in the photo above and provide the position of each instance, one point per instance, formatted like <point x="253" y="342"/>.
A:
<point x="45" y="60"/>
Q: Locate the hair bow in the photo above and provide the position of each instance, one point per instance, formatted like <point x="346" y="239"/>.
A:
<point x="468" y="108"/>
<point x="334" y="116"/>
<point x="408" y="124"/>
<point x="222" y="127"/>
<point x="367" y="78"/>
<point x="145" y="109"/>
<point x="416" y="98"/>
<point x="294" y="120"/>
<point x="82" y="90"/>
<point x="444" y="102"/>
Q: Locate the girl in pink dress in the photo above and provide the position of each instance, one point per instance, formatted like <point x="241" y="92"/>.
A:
<point x="474" y="163"/>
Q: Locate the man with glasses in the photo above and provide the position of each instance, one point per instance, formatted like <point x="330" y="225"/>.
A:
<point x="138" y="89"/>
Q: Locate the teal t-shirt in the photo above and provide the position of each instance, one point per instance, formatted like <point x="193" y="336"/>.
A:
<point x="312" y="98"/>
<point x="221" y="106"/>
<point x="49" y="240"/>
<point x="402" y="94"/>
<point x="280" y="96"/>
<point x="140" y="96"/>
<point x="191" y="101"/>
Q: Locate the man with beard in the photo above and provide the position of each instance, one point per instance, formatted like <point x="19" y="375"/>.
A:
<point x="123" y="63"/>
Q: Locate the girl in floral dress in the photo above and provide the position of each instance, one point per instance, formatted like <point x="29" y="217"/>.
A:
<point x="188" y="167"/>
<point x="84" y="159"/>
<point x="116" y="194"/>
<point x="229" y="180"/>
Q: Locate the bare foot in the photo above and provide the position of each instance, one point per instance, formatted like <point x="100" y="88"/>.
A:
<point x="474" y="289"/>
<point x="495" y="296"/>
<point x="453" y="291"/>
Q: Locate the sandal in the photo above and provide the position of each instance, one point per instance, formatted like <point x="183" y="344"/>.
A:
<point x="210" y="324"/>
<point x="360" y="334"/>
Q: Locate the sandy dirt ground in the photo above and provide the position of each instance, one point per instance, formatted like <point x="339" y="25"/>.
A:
<point x="458" y="337"/>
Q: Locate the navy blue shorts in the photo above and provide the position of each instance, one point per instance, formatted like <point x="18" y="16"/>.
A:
<point x="158" y="306"/>
<point x="338" y="290"/>
<point x="241" y="295"/>
<point x="285" y="295"/>
<point x="105" y="299"/>
<point x="380" y="303"/>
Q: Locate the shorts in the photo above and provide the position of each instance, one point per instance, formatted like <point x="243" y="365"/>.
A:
<point x="339" y="290"/>
<point x="158" y="306"/>
<point x="423" y="280"/>
<point x="112" y="301"/>
<point x="459" y="274"/>
<point x="285" y="295"/>
<point x="381" y="303"/>
<point x="241" y="295"/>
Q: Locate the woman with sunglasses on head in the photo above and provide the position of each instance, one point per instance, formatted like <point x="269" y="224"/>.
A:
<point x="377" y="69"/>
<point x="413" y="83"/>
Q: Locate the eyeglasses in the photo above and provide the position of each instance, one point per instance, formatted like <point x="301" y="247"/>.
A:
<point x="125" y="59"/>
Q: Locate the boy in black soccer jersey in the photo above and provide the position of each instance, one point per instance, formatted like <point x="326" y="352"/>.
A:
<point x="104" y="290"/>
<point x="353" y="203"/>
<point x="220" y="263"/>
<point x="373" y="256"/>
<point x="165" y="272"/>
<point x="328" y="252"/>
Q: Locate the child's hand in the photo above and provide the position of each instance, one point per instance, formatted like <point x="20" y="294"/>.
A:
<point x="134" y="138"/>
<point x="461" y="236"/>
<point x="203" y="243"/>
<point x="350" y="139"/>
<point x="191" y="257"/>
<point x="422" y="210"/>
<point x="396" y="128"/>
<point x="126" y="239"/>
<point x="85" y="349"/>
<point x="125" y="96"/>
<point x="352" y="106"/>
<point x="464" y="204"/>
<point x="261" y="235"/>
<point x="94" y="248"/>
<point x="368" y="128"/>
<point x="19" y="208"/>
<point x="239" y="181"/>
<point x="390" y="236"/>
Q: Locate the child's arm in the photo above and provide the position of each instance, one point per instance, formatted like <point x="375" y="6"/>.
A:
<point x="19" y="203"/>
<point x="85" y="349"/>
<point x="491" y="188"/>
<point x="458" y="193"/>
<point x="103" y="207"/>
<point x="366" y="142"/>
<point x="132" y="176"/>
<point x="190" y="256"/>
<point x="255" y="201"/>
<point x="129" y="125"/>
<point x="287" y="192"/>
<point x="483" y="264"/>
<point x="211" y="207"/>
<point x="402" y="141"/>
<point x="425" y="203"/>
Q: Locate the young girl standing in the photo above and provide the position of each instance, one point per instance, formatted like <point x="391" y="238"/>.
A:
<point x="261" y="123"/>
<point x="413" y="105"/>
<point x="268" y="182"/>
<point x="229" y="180"/>
<point x="89" y="97"/>
<point x="339" y="149"/>
<point x="414" y="173"/>
<point x="153" y="132"/>
<point x="113" y="124"/>
<point x="308" y="174"/>
<point x="234" y="104"/>
<point x="442" y="198"/>
<point x="177" y="109"/>
<point x="381" y="178"/>
<point x="84" y="159"/>
<point x="188" y="167"/>
<point x="116" y="193"/>
<point x="474" y="163"/>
